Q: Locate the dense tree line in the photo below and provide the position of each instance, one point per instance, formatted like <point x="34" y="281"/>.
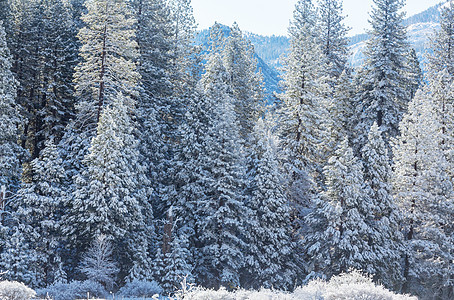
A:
<point x="121" y="138"/>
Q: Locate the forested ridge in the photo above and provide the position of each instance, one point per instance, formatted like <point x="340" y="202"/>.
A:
<point x="130" y="153"/>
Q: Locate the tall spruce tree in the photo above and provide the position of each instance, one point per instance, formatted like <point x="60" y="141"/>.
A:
<point x="58" y="59"/>
<point x="38" y="208"/>
<point x="333" y="36"/>
<point x="272" y="252"/>
<point x="340" y="111"/>
<point x="221" y="212"/>
<point x="424" y="192"/>
<point x="107" y="67"/>
<point x="414" y="72"/>
<point x="385" y="238"/>
<point x="10" y="120"/>
<point x="338" y="238"/>
<point x="382" y="94"/>
<point x="183" y="33"/>
<point x="10" y="160"/>
<point x="26" y="30"/>
<point x="441" y="91"/>
<point x="110" y="197"/>
<point x="302" y="111"/>
<point x="44" y="57"/>
<point x="244" y="80"/>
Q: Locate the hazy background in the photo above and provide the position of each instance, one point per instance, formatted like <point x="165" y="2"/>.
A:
<point x="268" y="17"/>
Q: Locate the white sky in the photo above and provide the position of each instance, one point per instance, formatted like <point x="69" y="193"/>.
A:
<point x="269" y="17"/>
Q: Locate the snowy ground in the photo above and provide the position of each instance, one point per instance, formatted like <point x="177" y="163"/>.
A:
<point x="352" y="286"/>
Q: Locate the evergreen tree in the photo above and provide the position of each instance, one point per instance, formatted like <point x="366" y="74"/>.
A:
<point x="17" y="257"/>
<point x="159" y="111"/>
<point x="39" y="210"/>
<point x="424" y="193"/>
<point x="385" y="239"/>
<point x="107" y="67"/>
<point x="10" y="151"/>
<point x="183" y="33"/>
<point x="26" y="32"/>
<point x="59" y="57"/>
<point x="109" y="27"/>
<point x="110" y="198"/>
<point x="176" y="264"/>
<point x="441" y="91"/>
<point x="338" y="238"/>
<point x="338" y="114"/>
<point x="44" y="57"/>
<point x="302" y="110"/>
<point x="271" y="249"/>
<point x="414" y="73"/>
<point x="382" y="94"/>
<point x="333" y="36"/>
<point x="221" y="212"/>
<point x="246" y="84"/>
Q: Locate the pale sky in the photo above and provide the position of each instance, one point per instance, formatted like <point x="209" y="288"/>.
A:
<point x="268" y="17"/>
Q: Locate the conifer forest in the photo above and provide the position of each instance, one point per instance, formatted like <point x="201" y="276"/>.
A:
<point x="134" y="157"/>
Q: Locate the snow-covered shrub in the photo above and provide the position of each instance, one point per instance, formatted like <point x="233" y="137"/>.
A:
<point x="355" y="285"/>
<point x="140" y="289"/>
<point x="13" y="290"/>
<point x="262" y="295"/>
<point x="204" y="294"/>
<point x="73" y="290"/>
<point x="352" y="286"/>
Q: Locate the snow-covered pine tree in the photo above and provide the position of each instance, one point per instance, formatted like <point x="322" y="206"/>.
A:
<point x="107" y="66"/>
<point x="443" y="42"/>
<point x="382" y="95"/>
<point x="272" y="258"/>
<point x="414" y="72"/>
<point x="221" y="212"/>
<point x="177" y="264"/>
<point x="424" y="193"/>
<point x="333" y="36"/>
<point x="245" y="82"/>
<point x="10" y="151"/>
<point x="159" y="111"/>
<point x="302" y="111"/>
<point x="333" y="40"/>
<point x="58" y="59"/>
<point x="43" y="50"/>
<point x="385" y="240"/>
<point x="183" y="33"/>
<point x="38" y="208"/>
<point x="109" y="198"/>
<point x="17" y="257"/>
<point x="109" y="53"/>
<point x="154" y="38"/>
<point x="11" y="156"/>
<point x="25" y="37"/>
<point x="441" y="91"/>
<point x="340" y="111"/>
<point x="338" y="237"/>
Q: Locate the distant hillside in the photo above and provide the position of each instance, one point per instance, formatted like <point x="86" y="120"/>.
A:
<point x="270" y="48"/>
